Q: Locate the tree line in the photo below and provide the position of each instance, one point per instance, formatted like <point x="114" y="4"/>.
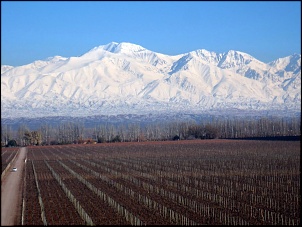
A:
<point x="75" y="132"/>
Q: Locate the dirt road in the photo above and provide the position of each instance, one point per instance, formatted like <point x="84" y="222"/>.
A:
<point x="11" y="192"/>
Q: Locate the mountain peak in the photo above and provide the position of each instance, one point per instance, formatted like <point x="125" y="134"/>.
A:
<point x="234" y="58"/>
<point x="55" y="58"/>
<point x="208" y="56"/>
<point x="110" y="46"/>
<point x="124" y="47"/>
<point x="114" y="47"/>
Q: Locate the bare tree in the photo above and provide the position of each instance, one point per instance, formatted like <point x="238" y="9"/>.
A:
<point x="6" y="133"/>
<point x="45" y="131"/>
<point x="20" y="134"/>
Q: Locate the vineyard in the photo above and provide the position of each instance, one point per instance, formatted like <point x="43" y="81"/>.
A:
<point x="221" y="182"/>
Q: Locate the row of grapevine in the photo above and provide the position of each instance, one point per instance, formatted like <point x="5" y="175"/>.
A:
<point x="197" y="209"/>
<point x="39" y="195"/>
<point x="231" y="183"/>
<point x="99" y="211"/>
<point x="255" y="198"/>
<point x="71" y="197"/>
<point x="58" y="209"/>
<point x="164" y="209"/>
<point x="259" y="198"/>
<point x="149" y="203"/>
<point x="106" y="198"/>
<point x="32" y="211"/>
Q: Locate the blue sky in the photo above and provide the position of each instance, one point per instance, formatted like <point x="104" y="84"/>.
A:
<point x="36" y="30"/>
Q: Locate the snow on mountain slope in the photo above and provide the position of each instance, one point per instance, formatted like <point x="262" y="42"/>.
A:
<point x="127" y="78"/>
<point x="289" y="64"/>
<point x="5" y="68"/>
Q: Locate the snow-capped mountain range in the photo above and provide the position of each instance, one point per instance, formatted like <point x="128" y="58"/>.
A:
<point x="124" y="78"/>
